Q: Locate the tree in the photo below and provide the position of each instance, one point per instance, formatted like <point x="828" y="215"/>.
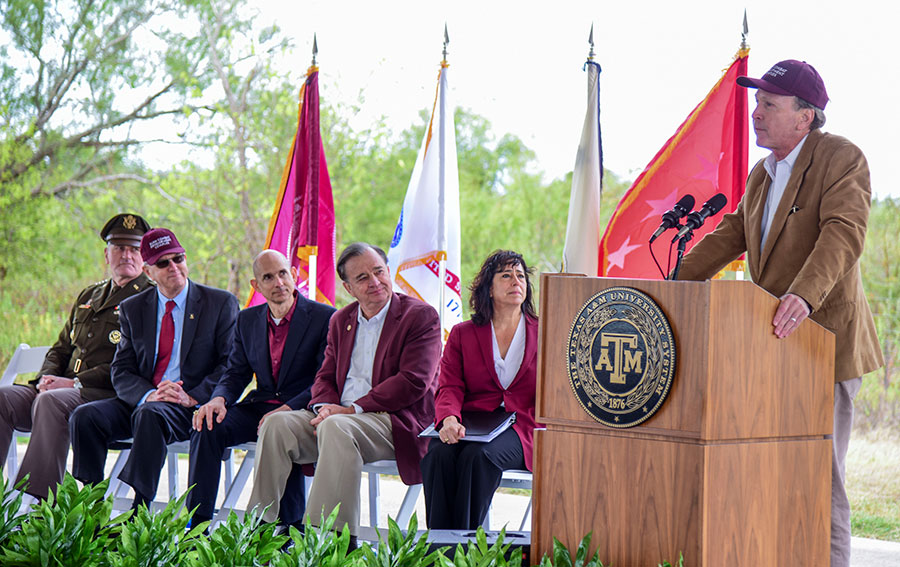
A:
<point x="880" y="397"/>
<point x="81" y="84"/>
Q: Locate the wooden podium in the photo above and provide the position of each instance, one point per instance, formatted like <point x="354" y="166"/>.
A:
<point x="735" y="466"/>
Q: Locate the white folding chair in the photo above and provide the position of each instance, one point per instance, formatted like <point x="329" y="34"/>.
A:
<point x="407" y="506"/>
<point x="25" y="360"/>
<point x="235" y="482"/>
<point x="513" y="479"/>
<point x="119" y="489"/>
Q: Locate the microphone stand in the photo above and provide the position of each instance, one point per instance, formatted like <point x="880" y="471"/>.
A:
<point x="682" y="242"/>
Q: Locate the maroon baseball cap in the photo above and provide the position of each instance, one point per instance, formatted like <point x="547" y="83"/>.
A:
<point x="791" y="78"/>
<point x="159" y="242"/>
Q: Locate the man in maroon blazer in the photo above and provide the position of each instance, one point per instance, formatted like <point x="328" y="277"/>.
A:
<point x="372" y="396"/>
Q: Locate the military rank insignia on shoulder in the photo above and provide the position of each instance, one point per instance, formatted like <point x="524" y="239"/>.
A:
<point x="621" y="357"/>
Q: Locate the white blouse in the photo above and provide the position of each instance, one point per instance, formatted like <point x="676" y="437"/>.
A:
<point x="508" y="368"/>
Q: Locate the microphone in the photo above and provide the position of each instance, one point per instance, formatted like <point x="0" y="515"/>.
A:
<point x="695" y="219"/>
<point x="670" y="218"/>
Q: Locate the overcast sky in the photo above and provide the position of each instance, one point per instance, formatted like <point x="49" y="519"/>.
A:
<point x="519" y="64"/>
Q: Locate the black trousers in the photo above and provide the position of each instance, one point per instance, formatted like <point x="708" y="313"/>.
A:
<point x="93" y="427"/>
<point x="208" y="447"/>
<point x="459" y="480"/>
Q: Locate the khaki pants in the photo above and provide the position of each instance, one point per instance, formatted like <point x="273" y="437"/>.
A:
<point x="844" y="393"/>
<point x="46" y="416"/>
<point x="339" y="446"/>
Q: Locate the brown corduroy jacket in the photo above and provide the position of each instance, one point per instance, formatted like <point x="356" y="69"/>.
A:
<point x="813" y="247"/>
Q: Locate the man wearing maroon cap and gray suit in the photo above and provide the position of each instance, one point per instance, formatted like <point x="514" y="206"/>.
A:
<point x="803" y="223"/>
<point x="173" y="349"/>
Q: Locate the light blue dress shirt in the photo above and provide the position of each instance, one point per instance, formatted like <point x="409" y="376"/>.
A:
<point x="173" y="371"/>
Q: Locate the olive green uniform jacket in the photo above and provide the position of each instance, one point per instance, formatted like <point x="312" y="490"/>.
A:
<point x="813" y="248"/>
<point x="87" y="342"/>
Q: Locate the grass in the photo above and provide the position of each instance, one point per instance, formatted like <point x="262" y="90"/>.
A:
<point x="873" y="485"/>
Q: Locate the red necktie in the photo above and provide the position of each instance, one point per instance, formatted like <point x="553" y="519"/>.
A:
<point x="166" y="338"/>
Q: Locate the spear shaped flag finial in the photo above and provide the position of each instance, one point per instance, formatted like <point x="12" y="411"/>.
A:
<point x="446" y="41"/>
<point x="315" y="50"/>
<point x="746" y="32"/>
<point x="591" y="41"/>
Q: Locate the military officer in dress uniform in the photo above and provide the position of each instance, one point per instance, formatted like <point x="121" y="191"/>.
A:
<point x="76" y="369"/>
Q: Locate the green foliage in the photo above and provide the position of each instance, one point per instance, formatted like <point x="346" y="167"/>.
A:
<point x="9" y="508"/>
<point x="400" y="550"/>
<point x="150" y="539"/>
<point x="878" y="402"/>
<point x="478" y="554"/>
<point x="679" y="564"/>
<point x="562" y="557"/>
<point x="74" y="527"/>
<point x="240" y="543"/>
<point x="320" y="547"/>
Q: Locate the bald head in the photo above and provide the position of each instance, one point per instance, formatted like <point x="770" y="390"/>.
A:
<point x="269" y="258"/>
<point x="275" y="279"/>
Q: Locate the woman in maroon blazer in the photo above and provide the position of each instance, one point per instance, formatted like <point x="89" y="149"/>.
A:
<point x="488" y="363"/>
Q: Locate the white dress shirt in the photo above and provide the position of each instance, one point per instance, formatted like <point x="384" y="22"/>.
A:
<point x="362" y="359"/>
<point x="780" y="173"/>
<point x="508" y="367"/>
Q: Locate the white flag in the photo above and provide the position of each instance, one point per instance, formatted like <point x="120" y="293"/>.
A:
<point x="583" y="233"/>
<point x="426" y="245"/>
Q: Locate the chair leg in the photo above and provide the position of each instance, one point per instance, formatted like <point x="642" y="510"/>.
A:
<point x="526" y="517"/>
<point x="408" y="506"/>
<point x="116" y="487"/>
<point x="12" y="461"/>
<point x="374" y="498"/>
<point x="228" y="465"/>
<point x="172" y="460"/>
<point x="236" y="487"/>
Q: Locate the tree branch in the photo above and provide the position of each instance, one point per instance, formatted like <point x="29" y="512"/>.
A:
<point x="67" y="185"/>
<point x="13" y="171"/>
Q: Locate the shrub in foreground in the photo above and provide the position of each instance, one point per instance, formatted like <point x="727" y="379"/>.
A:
<point x="76" y="527"/>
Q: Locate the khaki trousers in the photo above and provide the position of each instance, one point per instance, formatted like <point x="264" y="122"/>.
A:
<point x="339" y="446"/>
<point x="844" y="393"/>
<point x="46" y="416"/>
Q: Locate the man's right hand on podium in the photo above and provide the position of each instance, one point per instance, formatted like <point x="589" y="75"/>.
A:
<point x="792" y="310"/>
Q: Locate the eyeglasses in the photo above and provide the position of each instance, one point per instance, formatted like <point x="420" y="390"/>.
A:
<point x="178" y="259"/>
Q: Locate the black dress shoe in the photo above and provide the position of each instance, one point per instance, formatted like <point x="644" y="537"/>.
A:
<point x="285" y="529"/>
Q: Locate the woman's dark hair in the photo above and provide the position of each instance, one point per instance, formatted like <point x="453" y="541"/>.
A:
<point x="480" y="301"/>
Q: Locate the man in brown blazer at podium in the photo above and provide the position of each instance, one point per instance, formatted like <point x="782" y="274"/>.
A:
<point x="802" y="223"/>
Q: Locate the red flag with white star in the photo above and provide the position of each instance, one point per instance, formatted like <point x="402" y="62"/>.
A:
<point x="707" y="155"/>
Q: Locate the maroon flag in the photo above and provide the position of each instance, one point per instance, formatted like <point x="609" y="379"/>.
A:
<point x="302" y="224"/>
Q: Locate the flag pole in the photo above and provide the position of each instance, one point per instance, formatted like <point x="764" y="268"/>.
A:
<point x="442" y="229"/>
<point x="313" y="257"/>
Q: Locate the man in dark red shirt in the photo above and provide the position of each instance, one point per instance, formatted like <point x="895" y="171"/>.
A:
<point x="282" y="342"/>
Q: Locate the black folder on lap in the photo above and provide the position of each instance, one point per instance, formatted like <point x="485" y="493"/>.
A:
<point x="481" y="426"/>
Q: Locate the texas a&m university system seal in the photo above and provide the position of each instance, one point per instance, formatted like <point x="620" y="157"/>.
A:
<point x="621" y="357"/>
